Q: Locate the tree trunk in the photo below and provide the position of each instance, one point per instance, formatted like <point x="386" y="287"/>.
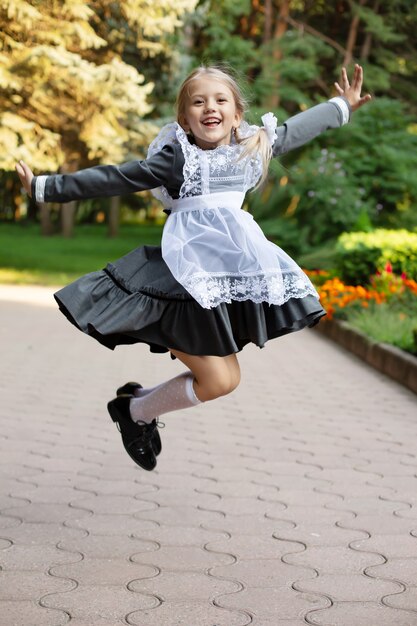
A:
<point x="113" y="217"/>
<point x="267" y="34"/>
<point x="47" y="228"/>
<point x="352" y="36"/>
<point x="68" y="209"/>
<point x="67" y="218"/>
<point x="366" y="47"/>
<point x="280" y="30"/>
<point x="248" y="23"/>
<point x="367" y="44"/>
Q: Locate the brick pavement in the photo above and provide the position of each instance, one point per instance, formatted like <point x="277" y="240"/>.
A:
<point x="292" y="501"/>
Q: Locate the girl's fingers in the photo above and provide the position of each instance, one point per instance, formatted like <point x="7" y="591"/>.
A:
<point x="357" y="78"/>
<point x="365" y="99"/>
<point x="345" y="80"/>
<point x="26" y="168"/>
<point x="20" y="168"/>
<point x="25" y="174"/>
<point x="22" y="175"/>
<point x="339" y="89"/>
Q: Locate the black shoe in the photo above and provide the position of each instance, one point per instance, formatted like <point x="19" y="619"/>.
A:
<point x="136" y="437"/>
<point x="129" y="388"/>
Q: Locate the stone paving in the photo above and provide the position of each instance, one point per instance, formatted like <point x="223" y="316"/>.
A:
<point x="292" y="501"/>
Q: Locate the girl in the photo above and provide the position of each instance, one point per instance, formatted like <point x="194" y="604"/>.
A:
<point x="216" y="283"/>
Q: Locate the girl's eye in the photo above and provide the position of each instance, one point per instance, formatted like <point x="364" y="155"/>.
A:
<point x="222" y="100"/>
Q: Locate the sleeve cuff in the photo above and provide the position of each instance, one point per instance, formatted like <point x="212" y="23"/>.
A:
<point x="40" y="182"/>
<point x="344" y="108"/>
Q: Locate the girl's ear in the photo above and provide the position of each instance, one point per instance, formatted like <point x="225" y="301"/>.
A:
<point x="183" y="122"/>
<point x="238" y="119"/>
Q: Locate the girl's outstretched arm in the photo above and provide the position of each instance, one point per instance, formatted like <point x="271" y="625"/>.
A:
<point x="101" y="181"/>
<point x="307" y="125"/>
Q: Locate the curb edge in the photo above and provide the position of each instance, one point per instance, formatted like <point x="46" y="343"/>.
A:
<point x="391" y="361"/>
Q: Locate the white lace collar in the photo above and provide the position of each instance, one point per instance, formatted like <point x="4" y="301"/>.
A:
<point x="173" y="133"/>
<point x="224" y="155"/>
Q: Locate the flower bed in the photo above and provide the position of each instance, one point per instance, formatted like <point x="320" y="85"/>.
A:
<point x="385" y="309"/>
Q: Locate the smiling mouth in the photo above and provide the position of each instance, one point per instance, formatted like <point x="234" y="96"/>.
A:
<point x="211" y="123"/>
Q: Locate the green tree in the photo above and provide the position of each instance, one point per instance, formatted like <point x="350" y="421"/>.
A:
<point x="291" y="51"/>
<point x="67" y="97"/>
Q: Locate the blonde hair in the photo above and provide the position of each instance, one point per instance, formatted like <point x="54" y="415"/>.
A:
<point x="256" y="144"/>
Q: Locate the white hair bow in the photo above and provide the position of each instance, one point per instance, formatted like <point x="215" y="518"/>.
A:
<point x="270" y="124"/>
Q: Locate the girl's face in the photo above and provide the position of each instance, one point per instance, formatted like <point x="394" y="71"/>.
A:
<point x="210" y="113"/>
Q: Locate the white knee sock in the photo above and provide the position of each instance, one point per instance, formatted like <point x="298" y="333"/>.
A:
<point x="176" y="393"/>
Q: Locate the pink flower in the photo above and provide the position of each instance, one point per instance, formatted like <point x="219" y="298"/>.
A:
<point x="388" y="268"/>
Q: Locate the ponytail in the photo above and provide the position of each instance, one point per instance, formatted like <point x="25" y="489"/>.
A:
<point x="257" y="144"/>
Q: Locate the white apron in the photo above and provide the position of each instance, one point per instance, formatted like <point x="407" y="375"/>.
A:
<point x="211" y="245"/>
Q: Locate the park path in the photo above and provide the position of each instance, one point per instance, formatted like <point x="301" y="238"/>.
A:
<point x="292" y="501"/>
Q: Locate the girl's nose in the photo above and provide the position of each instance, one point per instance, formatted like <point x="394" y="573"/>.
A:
<point x="210" y="106"/>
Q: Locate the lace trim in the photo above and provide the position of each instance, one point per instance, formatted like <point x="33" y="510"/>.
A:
<point x="192" y="171"/>
<point x="167" y="135"/>
<point x="203" y="166"/>
<point x="230" y="179"/>
<point x="211" y="290"/>
<point x="205" y="173"/>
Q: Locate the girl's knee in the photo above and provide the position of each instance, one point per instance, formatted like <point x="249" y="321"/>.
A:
<point x="214" y="376"/>
<point x="218" y="385"/>
<point x="229" y="384"/>
<point x="235" y="379"/>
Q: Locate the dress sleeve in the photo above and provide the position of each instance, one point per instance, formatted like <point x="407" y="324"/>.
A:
<point x="307" y="125"/>
<point x="107" y="180"/>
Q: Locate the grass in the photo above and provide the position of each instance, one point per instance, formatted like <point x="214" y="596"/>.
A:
<point x="386" y="325"/>
<point x="28" y="258"/>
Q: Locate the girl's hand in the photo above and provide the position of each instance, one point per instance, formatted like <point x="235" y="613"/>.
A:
<point x="353" y="92"/>
<point x="25" y="175"/>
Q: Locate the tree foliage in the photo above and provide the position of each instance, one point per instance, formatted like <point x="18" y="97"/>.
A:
<point x="291" y="51"/>
<point x="83" y="82"/>
<point x="67" y="96"/>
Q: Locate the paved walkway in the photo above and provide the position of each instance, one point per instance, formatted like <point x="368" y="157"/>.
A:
<point x="292" y="501"/>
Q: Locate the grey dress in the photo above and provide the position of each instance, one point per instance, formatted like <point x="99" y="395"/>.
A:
<point x="137" y="298"/>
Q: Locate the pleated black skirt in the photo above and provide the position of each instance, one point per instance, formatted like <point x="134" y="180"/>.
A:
<point x="137" y="300"/>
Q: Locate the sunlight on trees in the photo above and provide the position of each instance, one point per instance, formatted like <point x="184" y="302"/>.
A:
<point x="67" y="97"/>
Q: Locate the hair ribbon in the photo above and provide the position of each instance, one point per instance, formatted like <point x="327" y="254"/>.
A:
<point x="269" y="125"/>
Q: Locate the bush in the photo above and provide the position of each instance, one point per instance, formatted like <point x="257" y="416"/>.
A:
<point x="359" y="255"/>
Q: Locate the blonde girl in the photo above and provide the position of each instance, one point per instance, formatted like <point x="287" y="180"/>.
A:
<point x="216" y="283"/>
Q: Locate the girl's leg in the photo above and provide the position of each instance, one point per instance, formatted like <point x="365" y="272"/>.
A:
<point x="209" y="378"/>
<point x="214" y="376"/>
